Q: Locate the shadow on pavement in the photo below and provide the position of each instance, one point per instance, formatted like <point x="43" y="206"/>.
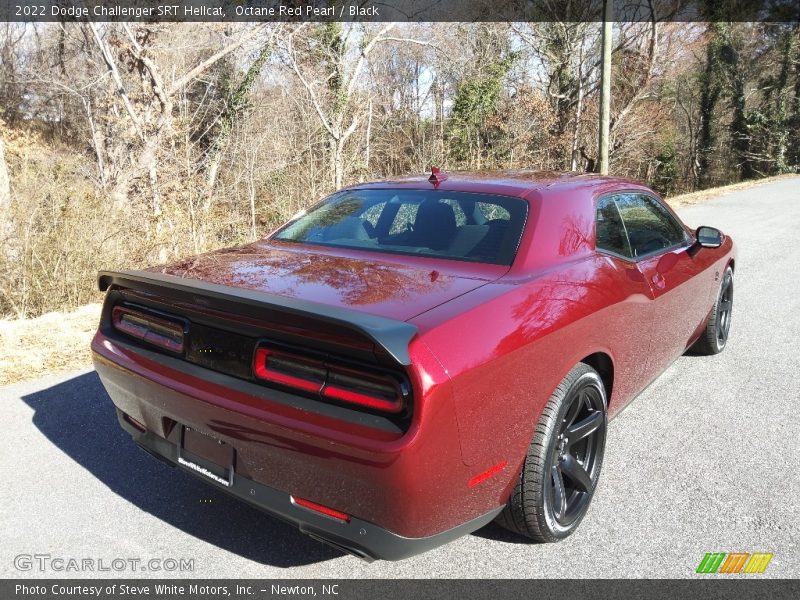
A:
<point x="78" y="417"/>
<point x="494" y="532"/>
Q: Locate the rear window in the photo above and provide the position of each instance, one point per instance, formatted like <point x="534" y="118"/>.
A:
<point x="456" y="225"/>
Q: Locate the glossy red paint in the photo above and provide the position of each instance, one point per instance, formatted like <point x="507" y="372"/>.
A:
<point x="386" y="285"/>
<point x="492" y="344"/>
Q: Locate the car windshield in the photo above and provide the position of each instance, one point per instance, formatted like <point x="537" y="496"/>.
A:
<point x="457" y="225"/>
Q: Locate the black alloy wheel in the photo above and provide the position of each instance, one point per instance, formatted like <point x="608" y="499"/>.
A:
<point x="724" y="311"/>
<point x="562" y="467"/>
<point x="577" y="454"/>
<point x="718" y="327"/>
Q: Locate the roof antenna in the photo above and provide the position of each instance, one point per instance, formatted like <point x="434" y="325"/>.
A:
<point x="437" y="176"/>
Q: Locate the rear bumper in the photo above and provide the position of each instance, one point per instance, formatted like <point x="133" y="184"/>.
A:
<point x="360" y="538"/>
<point x="408" y="490"/>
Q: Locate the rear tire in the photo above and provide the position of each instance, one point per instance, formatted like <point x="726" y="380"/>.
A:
<point x="563" y="463"/>
<point x="715" y="336"/>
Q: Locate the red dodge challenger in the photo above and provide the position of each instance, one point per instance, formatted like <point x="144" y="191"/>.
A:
<point x="410" y="359"/>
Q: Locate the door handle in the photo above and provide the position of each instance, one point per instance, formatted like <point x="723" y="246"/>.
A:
<point x="659" y="281"/>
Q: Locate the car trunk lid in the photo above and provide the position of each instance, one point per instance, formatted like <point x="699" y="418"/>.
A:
<point x="397" y="287"/>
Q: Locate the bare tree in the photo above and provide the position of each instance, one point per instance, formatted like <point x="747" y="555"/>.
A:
<point x="152" y="115"/>
<point x="332" y="80"/>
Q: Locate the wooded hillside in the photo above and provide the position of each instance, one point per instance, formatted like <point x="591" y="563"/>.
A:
<point x="126" y="145"/>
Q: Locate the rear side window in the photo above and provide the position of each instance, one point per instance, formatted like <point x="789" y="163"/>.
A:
<point x="457" y="225"/>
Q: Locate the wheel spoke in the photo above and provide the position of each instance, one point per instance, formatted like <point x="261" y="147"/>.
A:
<point x="572" y="412"/>
<point x="559" y="496"/>
<point x="725" y="305"/>
<point x="576" y="473"/>
<point x="585" y="427"/>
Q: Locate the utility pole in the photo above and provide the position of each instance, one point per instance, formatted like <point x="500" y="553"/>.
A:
<point x="605" y="86"/>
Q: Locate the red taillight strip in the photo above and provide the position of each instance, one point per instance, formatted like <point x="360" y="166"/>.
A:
<point x="329" y="383"/>
<point x="337" y="393"/>
<point x="262" y="372"/>
<point x="480" y="477"/>
<point x="324" y="510"/>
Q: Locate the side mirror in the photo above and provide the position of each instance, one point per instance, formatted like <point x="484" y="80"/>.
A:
<point x="708" y="237"/>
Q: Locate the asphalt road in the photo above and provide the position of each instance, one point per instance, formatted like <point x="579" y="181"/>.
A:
<point x="706" y="459"/>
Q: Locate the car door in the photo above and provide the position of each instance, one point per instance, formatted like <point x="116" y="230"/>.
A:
<point x="658" y="245"/>
<point x="629" y="321"/>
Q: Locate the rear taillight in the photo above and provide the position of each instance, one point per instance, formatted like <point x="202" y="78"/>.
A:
<point x="289" y="370"/>
<point x="381" y="392"/>
<point x="148" y="328"/>
<point x="376" y="391"/>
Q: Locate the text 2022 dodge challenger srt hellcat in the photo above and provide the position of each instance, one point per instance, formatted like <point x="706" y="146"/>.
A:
<point x="411" y="359"/>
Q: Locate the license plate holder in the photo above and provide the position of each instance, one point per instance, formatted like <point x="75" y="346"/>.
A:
<point x="206" y="456"/>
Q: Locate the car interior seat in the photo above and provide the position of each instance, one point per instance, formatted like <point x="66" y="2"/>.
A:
<point x="434" y="225"/>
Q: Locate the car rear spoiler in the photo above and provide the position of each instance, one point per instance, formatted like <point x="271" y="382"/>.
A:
<point x="391" y="335"/>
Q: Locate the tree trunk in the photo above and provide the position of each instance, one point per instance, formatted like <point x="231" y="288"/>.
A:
<point x="605" y="88"/>
<point x="369" y="137"/>
<point x="708" y="98"/>
<point x="338" y="163"/>
<point x="578" y="113"/>
<point x="251" y="192"/>
<point x="234" y="106"/>
<point x="711" y="88"/>
<point x="440" y="141"/>
<point x="740" y="131"/>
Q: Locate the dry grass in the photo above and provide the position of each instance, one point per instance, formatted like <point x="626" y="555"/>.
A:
<point x="54" y="342"/>
<point x="711" y="193"/>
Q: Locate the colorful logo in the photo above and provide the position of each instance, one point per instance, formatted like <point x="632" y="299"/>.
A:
<point x="734" y="562"/>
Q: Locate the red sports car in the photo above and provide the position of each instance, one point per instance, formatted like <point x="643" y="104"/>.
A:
<point x="411" y="359"/>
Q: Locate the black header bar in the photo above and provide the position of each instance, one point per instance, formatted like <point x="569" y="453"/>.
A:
<point x="410" y="11"/>
<point x="710" y="587"/>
